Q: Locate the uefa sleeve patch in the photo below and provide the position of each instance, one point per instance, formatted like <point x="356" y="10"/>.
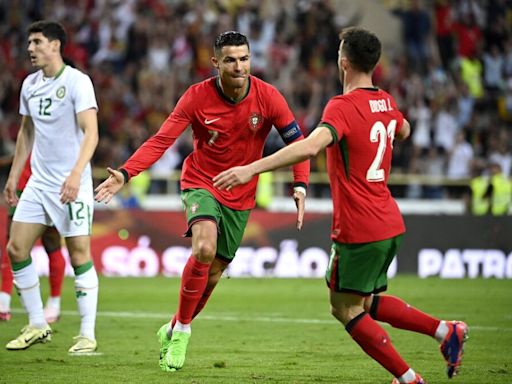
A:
<point x="290" y="133"/>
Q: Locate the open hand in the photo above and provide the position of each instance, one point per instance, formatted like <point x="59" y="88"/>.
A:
<point x="106" y="190"/>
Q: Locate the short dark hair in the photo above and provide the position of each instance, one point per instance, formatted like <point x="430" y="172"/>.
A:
<point x="362" y="48"/>
<point x="229" y="38"/>
<point x="51" y="30"/>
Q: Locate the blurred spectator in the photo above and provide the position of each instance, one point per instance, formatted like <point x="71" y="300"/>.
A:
<point x="444" y="18"/>
<point x="500" y="191"/>
<point x="445" y="124"/>
<point x="471" y="72"/>
<point x="460" y="158"/>
<point x="143" y="54"/>
<point x="416" y="28"/>
<point x="494" y="65"/>
<point x="501" y="153"/>
<point x="477" y="200"/>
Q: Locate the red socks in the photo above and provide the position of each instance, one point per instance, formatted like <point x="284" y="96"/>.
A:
<point x="200" y="305"/>
<point x="57" y="269"/>
<point x="6" y="272"/>
<point x="399" y="314"/>
<point x="193" y="285"/>
<point x="376" y="343"/>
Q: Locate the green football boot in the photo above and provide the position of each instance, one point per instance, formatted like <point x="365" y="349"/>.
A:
<point x="175" y="357"/>
<point x="165" y="343"/>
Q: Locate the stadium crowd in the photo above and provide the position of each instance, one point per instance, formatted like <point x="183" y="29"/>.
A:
<point x="451" y="74"/>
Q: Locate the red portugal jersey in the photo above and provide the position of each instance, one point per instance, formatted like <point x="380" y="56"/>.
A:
<point x="226" y="134"/>
<point x="25" y="175"/>
<point x="364" y="123"/>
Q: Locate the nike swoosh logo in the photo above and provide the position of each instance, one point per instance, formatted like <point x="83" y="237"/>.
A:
<point x="29" y="340"/>
<point x="190" y="290"/>
<point x="206" y="121"/>
<point x="45" y="334"/>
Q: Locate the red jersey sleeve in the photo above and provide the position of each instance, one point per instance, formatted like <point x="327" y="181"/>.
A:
<point x="290" y="132"/>
<point x="153" y="148"/>
<point x="398" y="115"/>
<point x="334" y="117"/>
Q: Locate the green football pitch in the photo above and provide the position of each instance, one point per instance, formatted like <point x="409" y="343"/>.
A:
<point x="262" y="331"/>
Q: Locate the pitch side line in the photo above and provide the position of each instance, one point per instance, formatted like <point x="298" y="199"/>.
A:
<point x="264" y="319"/>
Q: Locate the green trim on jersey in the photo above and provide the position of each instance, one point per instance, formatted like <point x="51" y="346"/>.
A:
<point x="333" y="132"/>
<point x="344" y="153"/>
<point x="342" y="144"/>
<point x="60" y="72"/>
<point x="361" y="268"/>
<point x="89" y="219"/>
<point x="200" y="205"/>
<point x="223" y="95"/>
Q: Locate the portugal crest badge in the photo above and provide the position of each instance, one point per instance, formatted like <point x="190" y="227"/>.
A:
<point x="255" y="121"/>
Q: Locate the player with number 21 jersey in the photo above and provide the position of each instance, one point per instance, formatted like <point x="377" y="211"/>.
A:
<point x="364" y="122"/>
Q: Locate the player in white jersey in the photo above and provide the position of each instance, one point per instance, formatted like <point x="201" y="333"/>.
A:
<point x="59" y="125"/>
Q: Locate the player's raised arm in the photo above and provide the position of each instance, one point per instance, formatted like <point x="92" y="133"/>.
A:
<point x="24" y="143"/>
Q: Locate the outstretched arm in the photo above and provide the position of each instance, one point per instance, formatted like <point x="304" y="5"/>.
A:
<point x="320" y="138"/>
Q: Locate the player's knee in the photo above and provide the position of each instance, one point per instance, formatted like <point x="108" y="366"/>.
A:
<point x="15" y="252"/>
<point x="337" y="313"/>
<point x="205" y="251"/>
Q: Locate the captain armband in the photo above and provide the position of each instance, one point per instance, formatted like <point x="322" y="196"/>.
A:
<point x="290" y="133"/>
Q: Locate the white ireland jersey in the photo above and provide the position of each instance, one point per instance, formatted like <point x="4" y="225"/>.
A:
<point x="52" y="104"/>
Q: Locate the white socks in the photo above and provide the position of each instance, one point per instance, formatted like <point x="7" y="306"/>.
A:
<point x="441" y="331"/>
<point x="86" y="287"/>
<point x="5" y="302"/>
<point x="27" y="284"/>
<point x="408" y="377"/>
<point x="54" y="302"/>
<point x="179" y="327"/>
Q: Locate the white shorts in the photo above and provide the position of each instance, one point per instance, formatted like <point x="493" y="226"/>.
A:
<point x="44" y="207"/>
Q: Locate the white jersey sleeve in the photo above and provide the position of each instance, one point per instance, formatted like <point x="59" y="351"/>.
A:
<point x="82" y="94"/>
<point x="23" y="96"/>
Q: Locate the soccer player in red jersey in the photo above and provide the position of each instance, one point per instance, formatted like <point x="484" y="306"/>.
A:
<point x="358" y="129"/>
<point x="231" y="115"/>
<point x="52" y="244"/>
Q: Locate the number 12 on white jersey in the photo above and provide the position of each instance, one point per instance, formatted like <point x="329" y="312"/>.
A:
<point x="379" y="133"/>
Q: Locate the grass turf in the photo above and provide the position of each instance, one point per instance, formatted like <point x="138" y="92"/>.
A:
<point x="262" y="331"/>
